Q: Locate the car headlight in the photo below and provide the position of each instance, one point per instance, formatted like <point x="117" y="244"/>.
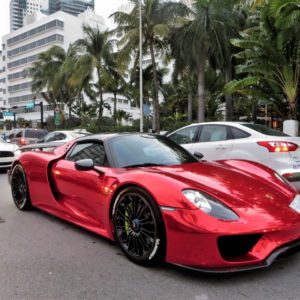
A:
<point x="210" y="205"/>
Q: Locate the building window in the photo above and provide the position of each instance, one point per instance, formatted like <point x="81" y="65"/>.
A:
<point x="22" y="74"/>
<point x="36" y="44"/>
<point x="22" y="61"/>
<point x="18" y="87"/>
<point x="19" y="99"/>
<point x="35" y="31"/>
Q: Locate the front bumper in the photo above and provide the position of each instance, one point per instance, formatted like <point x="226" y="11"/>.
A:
<point x="281" y="252"/>
<point x="5" y="165"/>
<point x="192" y="242"/>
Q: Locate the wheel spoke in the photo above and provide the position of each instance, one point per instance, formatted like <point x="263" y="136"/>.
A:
<point x="135" y="225"/>
<point x="122" y="216"/>
<point x="143" y="243"/>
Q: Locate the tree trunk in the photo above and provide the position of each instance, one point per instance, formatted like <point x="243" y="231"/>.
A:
<point x="70" y="111"/>
<point x="100" y="113"/>
<point x="228" y="98"/>
<point x="156" y="121"/>
<point x="190" y="105"/>
<point x="293" y="109"/>
<point x="254" y="112"/>
<point x="201" y="86"/>
<point x="115" y="108"/>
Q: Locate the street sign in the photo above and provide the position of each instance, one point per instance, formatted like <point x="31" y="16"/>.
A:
<point x="146" y="110"/>
<point x="8" y="114"/>
<point x="30" y="105"/>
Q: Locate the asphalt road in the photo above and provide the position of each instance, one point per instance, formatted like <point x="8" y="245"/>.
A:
<point x="42" y="257"/>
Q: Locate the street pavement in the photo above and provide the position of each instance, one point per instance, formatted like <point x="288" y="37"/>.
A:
<point x="42" y="257"/>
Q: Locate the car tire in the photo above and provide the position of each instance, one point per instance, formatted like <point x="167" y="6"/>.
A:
<point x="138" y="227"/>
<point x="19" y="188"/>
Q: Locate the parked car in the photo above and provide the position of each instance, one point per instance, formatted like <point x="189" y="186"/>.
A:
<point x="5" y="137"/>
<point x="62" y="136"/>
<point x="8" y="153"/>
<point x="241" y="140"/>
<point x="160" y="203"/>
<point x="26" y="136"/>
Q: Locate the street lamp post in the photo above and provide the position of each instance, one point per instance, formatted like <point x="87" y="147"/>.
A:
<point x="141" y="70"/>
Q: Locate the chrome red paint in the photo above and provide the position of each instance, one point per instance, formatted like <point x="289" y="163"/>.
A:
<point x="251" y="190"/>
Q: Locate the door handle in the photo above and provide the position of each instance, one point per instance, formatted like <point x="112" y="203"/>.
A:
<point x="221" y="147"/>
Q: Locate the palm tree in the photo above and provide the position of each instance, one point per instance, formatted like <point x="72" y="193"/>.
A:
<point x="44" y="71"/>
<point x="184" y="67"/>
<point x="95" y="55"/>
<point x="256" y="3"/>
<point x="207" y="34"/>
<point x="122" y="114"/>
<point x="269" y="62"/>
<point x="157" y="18"/>
<point x="114" y="80"/>
<point x="286" y="13"/>
<point x="51" y="74"/>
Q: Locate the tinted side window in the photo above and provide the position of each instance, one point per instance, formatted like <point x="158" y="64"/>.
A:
<point x="35" y="133"/>
<point x="59" y="136"/>
<point x="238" y="133"/>
<point x="185" y="135"/>
<point x="50" y="137"/>
<point x="213" y="133"/>
<point x="19" y="134"/>
<point x="265" y="130"/>
<point x="94" y="151"/>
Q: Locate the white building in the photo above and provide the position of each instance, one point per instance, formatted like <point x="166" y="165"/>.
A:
<point x="22" y="47"/>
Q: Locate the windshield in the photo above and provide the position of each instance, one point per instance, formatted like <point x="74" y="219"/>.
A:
<point x="35" y="133"/>
<point x="138" y="150"/>
<point x="265" y="130"/>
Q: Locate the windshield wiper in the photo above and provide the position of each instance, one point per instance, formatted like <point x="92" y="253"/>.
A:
<point x="142" y="165"/>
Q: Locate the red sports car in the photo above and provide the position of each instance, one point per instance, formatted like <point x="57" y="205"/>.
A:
<point x="160" y="203"/>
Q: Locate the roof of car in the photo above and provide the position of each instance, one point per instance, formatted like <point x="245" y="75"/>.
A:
<point x="222" y="122"/>
<point x="108" y="136"/>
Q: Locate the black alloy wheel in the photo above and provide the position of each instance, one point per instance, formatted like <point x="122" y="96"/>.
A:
<point x="19" y="188"/>
<point x="138" y="227"/>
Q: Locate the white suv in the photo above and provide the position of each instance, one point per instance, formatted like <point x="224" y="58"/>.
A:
<point x="232" y="140"/>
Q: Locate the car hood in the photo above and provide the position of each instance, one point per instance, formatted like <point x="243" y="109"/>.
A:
<point x="256" y="193"/>
<point x="8" y="147"/>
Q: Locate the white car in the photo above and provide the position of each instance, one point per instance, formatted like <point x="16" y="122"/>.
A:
<point x="238" y="140"/>
<point x="62" y="136"/>
<point x="8" y="153"/>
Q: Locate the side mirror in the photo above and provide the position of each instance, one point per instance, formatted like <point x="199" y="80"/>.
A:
<point x="84" y="165"/>
<point x="198" y="155"/>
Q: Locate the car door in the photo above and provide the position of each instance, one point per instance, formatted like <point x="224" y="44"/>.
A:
<point x="214" y="141"/>
<point x="79" y="192"/>
<point x="186" y="137"/>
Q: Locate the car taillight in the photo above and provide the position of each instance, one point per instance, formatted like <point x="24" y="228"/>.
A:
<point x="278" y="146"/>
<point x="22" y="141"/>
